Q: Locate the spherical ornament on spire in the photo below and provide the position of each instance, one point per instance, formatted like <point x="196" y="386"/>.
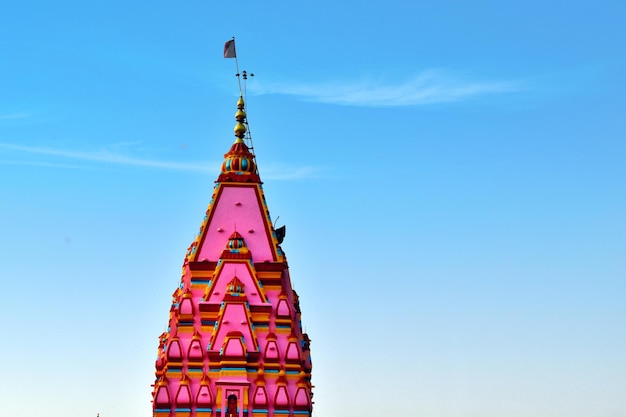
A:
<point x="240" y="130"/>
<point x="240" y="116"/>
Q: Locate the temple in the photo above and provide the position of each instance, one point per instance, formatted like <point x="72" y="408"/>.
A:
<point x="234" y="345"/>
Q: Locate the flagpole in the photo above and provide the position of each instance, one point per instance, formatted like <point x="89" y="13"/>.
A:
<point x="238" y="77"/>
<point x="248" y="130"/>
<point x="230" y="51"/>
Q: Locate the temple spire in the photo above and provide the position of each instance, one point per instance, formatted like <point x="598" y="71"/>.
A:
<point x="234" y="315"/>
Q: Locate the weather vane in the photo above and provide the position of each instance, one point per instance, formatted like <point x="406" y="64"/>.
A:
<point x="231" y="52"/>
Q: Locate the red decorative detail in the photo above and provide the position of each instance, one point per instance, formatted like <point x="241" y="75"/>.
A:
<point x="233" y="177"/>
<point x="160" y="365"/>
<point x="235" y="298"/>
<point x="235" y="286"/>
<point x="238" y="165"/>
<point x="230" y="255"/>
<point x="202" y="266"/>
<point x="270" y="266"/>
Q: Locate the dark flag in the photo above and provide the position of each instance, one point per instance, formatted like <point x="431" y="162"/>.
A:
<point x="229" y="49"/>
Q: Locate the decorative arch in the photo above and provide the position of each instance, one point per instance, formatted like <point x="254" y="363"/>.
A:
<point x="174" y="351"/>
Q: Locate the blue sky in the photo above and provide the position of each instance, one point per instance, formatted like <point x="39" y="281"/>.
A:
<point x="451" y="177"/>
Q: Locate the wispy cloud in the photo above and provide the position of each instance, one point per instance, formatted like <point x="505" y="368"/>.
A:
<point x="46" y="164"/>
<point x="106" y="156"/>
<point x="428" y="87"/>
<point x="278" y="172"/>
<point x="12" y="116"/>
<point x="283" y="172"/>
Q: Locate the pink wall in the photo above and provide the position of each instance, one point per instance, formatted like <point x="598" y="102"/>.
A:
<point x="237" y="209"/>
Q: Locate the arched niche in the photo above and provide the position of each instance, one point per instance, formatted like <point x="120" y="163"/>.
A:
<point x="260" y="397"/>
<point x="162" y="396"/>
<point x="293" y="353"/>
<point x="281" y="399"/>
<point x="174" y="352"/>
<point x="282" y="309"/>
<point x="186" y="307"/>
<point x="234" y="347"/>
<point x="271" y="353"/>
<point x="302" y="399"/>
<point x="204" y="399"/>
<point x="195" y="352"/>
<point x="183" y="397"/>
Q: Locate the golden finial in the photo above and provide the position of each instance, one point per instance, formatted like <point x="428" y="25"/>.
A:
<point x="239" y="163"/>
<point x="240" y="116"/>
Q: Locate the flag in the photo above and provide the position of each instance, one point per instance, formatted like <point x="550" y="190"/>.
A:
<point x="229" y="49"/>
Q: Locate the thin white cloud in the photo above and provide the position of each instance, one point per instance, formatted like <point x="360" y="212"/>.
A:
<point x="281" y="172"/>
<point x="278" y="172"/>
<point x="46" y="164"/>
<point x="12" y="116"/>
<point x="108" y="157"/>
<point x="428" y="87"/>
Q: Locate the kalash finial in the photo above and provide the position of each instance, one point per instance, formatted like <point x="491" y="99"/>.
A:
<point x="239" y="164"/>
<point x="240" y="116"/>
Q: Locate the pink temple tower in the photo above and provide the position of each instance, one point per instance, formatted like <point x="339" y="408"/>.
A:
<point x="234" y="346"/>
